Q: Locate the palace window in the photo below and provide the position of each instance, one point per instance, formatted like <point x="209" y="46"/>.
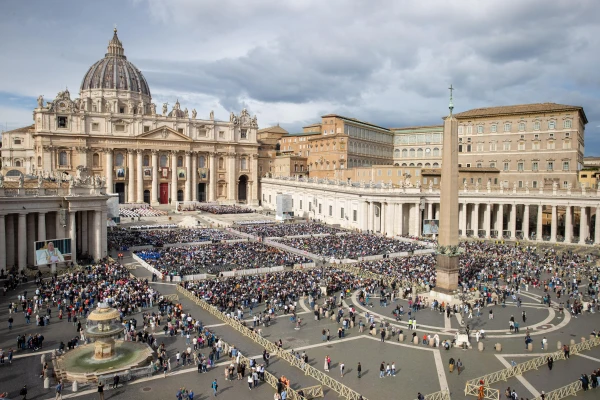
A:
<point x="565" y="165"/>
<point x="492" y="146"/>
<point x="521" y="126"/>
<point x="520" y="166"/>
<point x="567" y="124"/>
<point x="506" y="166"/>
<point x="96" y="160"/>
<point x="244" y="166"/>
<point x="535" y="145"/>
<point x="163" y="161"/>
<point x="243" y="134"/>
<point x="146" y="161"/>
<point x="506" y="127"/>
<point x="534" y="184"/>
<point x="567" y="144"/>
<point x="534" y="166"/>
<point x="550" y="145"/>
<point x="494" y="128"/>
<point x="521" y="145"/>
<point x="492" y="164"/>
<point x="552" y="125"/>
<point x="506" y="146"/>
<point x="536" y="126"/>
<point x="63" y="159"/>
<point x="180" y="161"/>
<point x="550" y="166"/>
<point x="146" y="128"/>
<point x="479" y="129"/>
<point x="202" y="162"/>
<point x="17" y="141"/>
<point x="221" y="163"/>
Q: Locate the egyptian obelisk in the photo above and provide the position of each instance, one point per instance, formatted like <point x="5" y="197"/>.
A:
<point x="447" y="263"/>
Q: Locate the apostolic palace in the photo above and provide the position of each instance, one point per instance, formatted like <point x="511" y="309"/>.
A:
<point x="522" y="173"/>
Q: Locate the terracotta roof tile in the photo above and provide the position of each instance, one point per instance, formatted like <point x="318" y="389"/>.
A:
<point x="518" y="109"/>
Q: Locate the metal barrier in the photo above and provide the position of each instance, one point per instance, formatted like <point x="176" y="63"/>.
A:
<point x="312" y="392"/>
<point x="341" y="389"/>
<point x="534" y="363"/>
<point x="488" y="392"/>
<point x="570" y="390"/>
<point x="441" y="395"/>
<point x="126" y="376"/>
<point x="171" y="297"/>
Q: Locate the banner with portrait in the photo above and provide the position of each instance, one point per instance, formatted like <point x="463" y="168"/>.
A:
<point x="147" y="173"/>
<point x="203" y="173"/>
<point x="52" y="251"/>
<point x="181" y="174"/>
<point x="164" y="172"/>
<point x="121" y="173"/>
<point x="431" y="226"/>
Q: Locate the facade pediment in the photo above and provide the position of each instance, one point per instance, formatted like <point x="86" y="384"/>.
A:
<point x="164" y="133"/>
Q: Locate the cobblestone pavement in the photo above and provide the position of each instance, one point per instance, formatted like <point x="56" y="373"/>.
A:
<point x="419" y="367"/>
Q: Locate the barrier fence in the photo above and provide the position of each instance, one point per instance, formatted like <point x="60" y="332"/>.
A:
<point x="534" y="363"/>
<point x="312" y="392"/>
<point x="569" y="390"/>
<point x="488" y="392"/>
<point x="339" y="388"/>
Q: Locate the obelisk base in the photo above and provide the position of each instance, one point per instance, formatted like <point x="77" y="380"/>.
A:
<point x="447" y="278"/>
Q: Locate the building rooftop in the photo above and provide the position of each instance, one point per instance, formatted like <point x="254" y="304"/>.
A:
<point x="438" y="171"/>
<point x="303" y="134"/>
<point x="354" y="120"/>
<point x="24" y="129"/>
<point x="519" y="109"/>
<point x="274" y="129"/>
<point x="416" y="128"/>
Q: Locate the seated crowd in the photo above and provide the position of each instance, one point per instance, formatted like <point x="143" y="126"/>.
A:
<point x="350" y="246"/>
<point x="223" y="209"/>
<point x="281" y="230"/>
<point x="179" y="261"/>
<point x="124" y="238"/>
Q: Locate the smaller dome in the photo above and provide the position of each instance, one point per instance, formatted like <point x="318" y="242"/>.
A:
<point x="176" y="111"/>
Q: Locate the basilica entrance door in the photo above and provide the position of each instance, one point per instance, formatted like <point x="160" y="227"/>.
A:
<point x="120" y="190"/>
<point x="164" y="193"/>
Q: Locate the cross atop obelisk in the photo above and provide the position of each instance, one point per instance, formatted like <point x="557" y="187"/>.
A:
<point x="451" y="105"/>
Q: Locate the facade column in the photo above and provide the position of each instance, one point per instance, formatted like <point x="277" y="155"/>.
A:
<point x="462" y="219"/>
<point x="437" y="211"/>
<point x="597" y="226"/>
<point x="154" y="191"/>
<point x="130" y="177"/>
<point x="232" y="181"/>
<point x="363" y="215"/>
<point x="429" y="211"/>
<point x="382" y="218"/>
<point x="187" y="184"/>
<point x="583" y="225"/>
<point x="41" y="227"/>
<point x="110" y="187"/>
<point x="554" y="225"/>
<point x="371" y="217"/>
<point x="525" y="223"/>
<point x="487" y="218"/>
<point x="22" y="251"/>
<point x="104" y="233"/>
<point x="513" y="221"/>
<point x="539" y="227"/>
<point x="475" y="221"/>
<point x="58" y="230"/>
<point x="391" y="219"/>
<point x="84" y="232"/>
<point x="173" y="176"/>
<point x="139" y="176"/>
<point x="194" y="175"/>
<point x="500" y="221"/>
<point x="73" y="235"/>
<point x="2" y="243"/>
<point x="212" y="183"/>
<point x="255" y="180"/>
<point x="97" y="230"/>
<point x="568" y="224"/>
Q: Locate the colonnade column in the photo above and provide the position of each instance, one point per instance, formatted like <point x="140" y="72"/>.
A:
<point x="500" y="221"/>
<point x="513" y="221"/>
<point x="83" y="223"/>
<point x="41" y="227"/>
<point x="154" y="191"/>
<point x="30" y="246"/>
<point x="487" y="218"/>
<point x="417" y="219"/>
<point x="58" y="229"/>
<point x="568" y="226"/>
<point x="539" y="227"/>
<point x="188" y="167"/>
<point x="583" y="225"/>
<point x="371" y="217"/>
<point x="212" y="183"/>
<point x="139" y="177"/>
<point x="399" y="217"/>
<point x="597" y="227"/>
<point x="390" y="221"/>
<point x="462" y="219"/>
<point x="2" y="243"/>
<point x="364" y="216"/>
<point x="173" y="176"/>
<point x="194" y="175"/>
<point x="22" y="250"/>
<point x="73" y="235"/>
<point x="382" y="218"/>
<point x="97" y="248"/>
<point x="255" y="179"/>
<point x="554" y="225"/>
<point x="475" y="221"/>
<point x="429" y="210"/>
<point x="131" y="177"/>
<point x="525" y="223"/>
<point x="437" y="211"/>
<point x="11" y="243"/>
<point x="109" y="171"/>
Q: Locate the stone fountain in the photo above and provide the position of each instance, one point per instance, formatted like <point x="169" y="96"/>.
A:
<point x="107" y="354"/>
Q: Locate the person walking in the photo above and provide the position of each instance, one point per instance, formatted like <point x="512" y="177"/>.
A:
<point x="214" y="386"/>
<point x="359" y="369"/>
<point x="100" y="391"/>
<point x="59" y="389"/>
<point x="550" y="363"/>
<point x="459" y="366"/>
<point x="544" y="343"/>
<point x="342" y="369"/>
<point x="250" y="381"/>
<point x="326" y="365"/>
<point x="23" y="392"/>
<point x="382" y="369"/>
<point x="382" y="335"/>
<point x="115" y="381"/>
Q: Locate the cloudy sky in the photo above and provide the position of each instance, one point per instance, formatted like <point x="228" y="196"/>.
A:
<point x="289" y="62"/>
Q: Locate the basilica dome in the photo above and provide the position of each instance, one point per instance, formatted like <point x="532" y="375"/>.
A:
<point x="115" y="72"/>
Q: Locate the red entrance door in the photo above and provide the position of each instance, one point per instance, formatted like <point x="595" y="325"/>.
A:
<point x="164" y="193"/>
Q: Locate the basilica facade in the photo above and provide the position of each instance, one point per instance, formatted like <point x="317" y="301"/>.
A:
<point x="113" y="130"/>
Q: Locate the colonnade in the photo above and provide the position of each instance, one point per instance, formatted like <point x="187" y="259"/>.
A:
<point x="20" y="230"/>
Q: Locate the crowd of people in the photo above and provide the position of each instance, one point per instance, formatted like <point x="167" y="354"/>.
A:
<point x="281" y="230"/>
<point x="124" y="238"/>
<point x="224" y="209"/>
<point x="351" y="246"/>
<point x="215" y="258"/>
